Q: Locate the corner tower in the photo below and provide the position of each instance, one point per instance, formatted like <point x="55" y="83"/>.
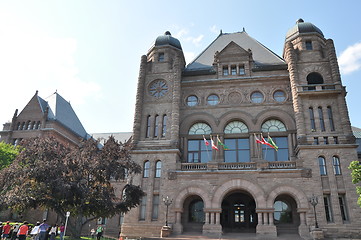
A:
<point x="156" y="121"/>
<point x="318" y="95"/>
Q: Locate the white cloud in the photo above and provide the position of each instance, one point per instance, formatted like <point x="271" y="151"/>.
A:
<point x="350" y="59"/>
<point x="214" y="29"/>
<point x="32" y="60"/>
<point x="189" y="56"/>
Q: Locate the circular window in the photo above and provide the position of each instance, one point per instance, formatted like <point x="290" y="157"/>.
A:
<point x="158" y="88"/>
<point x="279" y="96"/>
<point x="213" y="99"/>
<point x="192" y="101"/>
<point x="257" y="97"/>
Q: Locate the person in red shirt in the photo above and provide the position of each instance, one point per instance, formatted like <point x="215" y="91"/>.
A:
<point x="23" y="231"/>
<point x="6" y="230"/>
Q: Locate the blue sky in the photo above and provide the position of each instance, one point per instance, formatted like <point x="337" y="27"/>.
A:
<point x="89" y="50"/>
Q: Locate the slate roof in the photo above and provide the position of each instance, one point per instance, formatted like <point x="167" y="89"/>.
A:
<point x="261" y="54"/>
<point x="119" y="136"/>
<point x="61" y="111"/>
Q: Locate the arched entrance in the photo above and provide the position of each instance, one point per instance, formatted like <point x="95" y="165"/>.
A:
<point x="285" y="214"/>
<point x="239" y="212"/>
<point x="193" y="217"/>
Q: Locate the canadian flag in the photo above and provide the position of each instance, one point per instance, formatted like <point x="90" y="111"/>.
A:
<point x="205" y="141"/>
<point x="213" y="145"/>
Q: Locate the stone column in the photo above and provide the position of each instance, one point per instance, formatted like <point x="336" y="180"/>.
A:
<point x="177" y="75"/>
<point x="178" y="227"/>
<point x="265" y="228"/>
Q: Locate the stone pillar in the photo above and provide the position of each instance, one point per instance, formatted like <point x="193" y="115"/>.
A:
<point x="214" y="227"/>
<point x="265" y="228"/>
<point x="178" y="227"/>
<point x="175" y="102"/>
<point x="303" y="229"/>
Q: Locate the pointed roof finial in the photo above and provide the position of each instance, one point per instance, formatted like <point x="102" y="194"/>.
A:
<point x="244" y="29"/>
<point x="220" y="32"/>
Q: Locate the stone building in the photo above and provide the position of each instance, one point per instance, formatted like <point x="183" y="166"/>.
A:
<point x="52" y="116"/>
<point x="238" y="95"/>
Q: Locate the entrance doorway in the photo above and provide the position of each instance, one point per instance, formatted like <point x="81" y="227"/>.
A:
<point x="239" y="213"/>
<point x="193" y="218"/>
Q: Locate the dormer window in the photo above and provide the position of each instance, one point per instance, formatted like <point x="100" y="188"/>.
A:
<point x="225" y="70"/>
<point x="233" y="70"/>
<point x="161" y="57"/>
<point x="309" y="45"/>
<point x="241" y="70"/>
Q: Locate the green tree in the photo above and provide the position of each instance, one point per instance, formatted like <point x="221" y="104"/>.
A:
<point x="355" y="168"/>
<point x="79" y="180"/>
<point x="8" y="153"/>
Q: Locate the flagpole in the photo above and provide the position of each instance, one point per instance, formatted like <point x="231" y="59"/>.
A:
<point x="206" y="148"/>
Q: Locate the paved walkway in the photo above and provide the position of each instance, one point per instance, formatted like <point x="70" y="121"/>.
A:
<point x="232" y="236"/>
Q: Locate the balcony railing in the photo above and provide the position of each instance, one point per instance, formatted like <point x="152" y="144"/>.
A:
<point x="318" y="87"/>
<point x="243" y="166"/>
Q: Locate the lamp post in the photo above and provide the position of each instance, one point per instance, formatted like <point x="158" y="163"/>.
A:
<point x="167" y="201"/>
<point x="314" y="202"/>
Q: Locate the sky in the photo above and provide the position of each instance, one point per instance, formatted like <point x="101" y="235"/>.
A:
<point x="89" y="51"/>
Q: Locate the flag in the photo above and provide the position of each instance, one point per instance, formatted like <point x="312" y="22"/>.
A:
<point x="271" y="143"/>
<point x="220" y="143"/>
<point x="205" y="141"/>
<point x="213" y="145"/>
<point x="263" y="141"/>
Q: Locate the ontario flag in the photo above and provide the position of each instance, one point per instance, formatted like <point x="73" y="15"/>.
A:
<point x="269" y="142"/>
<point x="222" y="144"/>
<point x="214" y="145"/>
<point x="205" y="141"/>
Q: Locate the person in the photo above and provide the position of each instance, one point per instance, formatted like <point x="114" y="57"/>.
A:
<point x="99" y="232"/>
<point x="62" y="229"/>
<point x="92" y="233"/>
<point x="53" y="231"/>
<point x="43" y="230"/>
<point x="15" y="230"/>
<point x="23" y="231"/>
<point x="34" y="232"/>
<point x="6" y="230"/>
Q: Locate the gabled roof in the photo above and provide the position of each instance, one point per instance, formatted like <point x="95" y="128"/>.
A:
<point x="261" y="54"/>
<point x="61" y="111"/>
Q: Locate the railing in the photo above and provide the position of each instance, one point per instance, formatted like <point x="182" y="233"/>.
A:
<point x="282" y="165"/>
<point x="319" y="87"/>
<point x="194" y="166"/>
<point x="237" y="166"/>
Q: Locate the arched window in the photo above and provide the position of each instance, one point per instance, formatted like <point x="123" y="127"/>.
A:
<point x="336" y="165"/>
<point x="156" y="123"/>
<point x="147" y="131"/>
<point x="196" y="212"/>
<point x="23" y="126"/>
<point x="236" y="127"/>
<point x="33" y="125"/>
<point x="164" y="125"/>
<point x="257" y="97"/>
<point x="330" y="118"/>
<point x="312" y="119"/>
<point x="322" y="122"/>
<point x="38" y="125"/>
<point x="28" y="125"/>
<point x="283" y="212"/>
<point x="314" y="78"/>
<point x="158" y="169"/>
<point x="146" y="168"/>
<point x="269" y="154"/>
<point x="18" y="126"/>
<point x="199" y="129"/>
<point x="322" y="165"/>
<point x="273" y="125"/>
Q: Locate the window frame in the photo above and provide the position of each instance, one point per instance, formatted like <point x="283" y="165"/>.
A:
<point x="322" y="121"/>
<point x="336" y="165"/>
<point x="328" y="207"/>
<point x="213" y="100"/>
<point x="257" y="99"/>
<point x="192" y="100"/>
<point x="158" y="169"/>
<point x="146" y="169"/>
<point x="322" y="165"/>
